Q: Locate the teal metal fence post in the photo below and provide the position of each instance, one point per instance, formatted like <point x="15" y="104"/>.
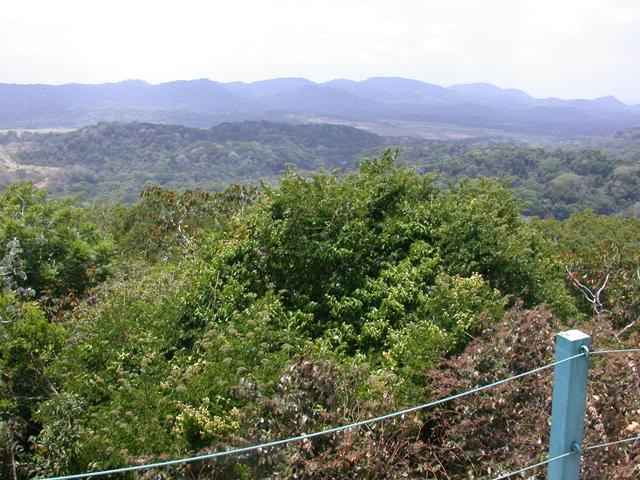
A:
<point x="568" y="404"/>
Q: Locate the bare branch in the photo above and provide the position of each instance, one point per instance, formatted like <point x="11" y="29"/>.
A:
<point x="590" y="296"/>
<point x="627" y="327"/>
<point x="604" y="284"/>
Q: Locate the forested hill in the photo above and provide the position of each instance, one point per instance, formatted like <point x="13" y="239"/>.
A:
<point x="106" y="140"/>
<point x="554" y="182"/>
<point x="116" y="161"/>
<point x="625" y="143"/>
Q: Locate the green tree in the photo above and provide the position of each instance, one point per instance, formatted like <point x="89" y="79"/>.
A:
<point x="28" y="343"/>
<point x="62" y="252"/>
<point x="602" y="256"/>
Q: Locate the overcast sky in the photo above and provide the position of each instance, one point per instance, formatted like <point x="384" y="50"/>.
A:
<point x="563" y="48"/>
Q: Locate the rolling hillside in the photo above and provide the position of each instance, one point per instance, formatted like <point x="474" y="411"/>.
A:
<point x="115" y="161"/>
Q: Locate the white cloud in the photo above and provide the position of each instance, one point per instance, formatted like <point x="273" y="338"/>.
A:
<point x="627" y="15"/>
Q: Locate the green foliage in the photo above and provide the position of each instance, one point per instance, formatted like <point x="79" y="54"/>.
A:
<point x="58" y="446"/>
<point x="11" y="271"/>
<point x="624" y="144"/>
<point x="53" y="252"/>
<point x="127" y="364"/>
<point x="200" y="426"/>
<point x="28" y="344"/>
<point x="452" y="314"/>
<point x="601" y="254"/>
<point x="113" y="162"/>
<point x="164" y="222"/>
<point x="550" y="182"/>
<point x="242" y="315"/>
<point x="478" y="228"/>
<point x="62" y="251"/>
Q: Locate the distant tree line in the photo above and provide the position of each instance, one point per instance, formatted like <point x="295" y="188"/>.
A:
<point x="113" y="162"/>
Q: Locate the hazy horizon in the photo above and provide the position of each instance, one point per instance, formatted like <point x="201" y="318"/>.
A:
<point x="629" y="102"/>
<point x="574" y="49"/>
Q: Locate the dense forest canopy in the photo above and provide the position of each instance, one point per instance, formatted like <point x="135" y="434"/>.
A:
<point x="555" y="182"/>
<point x="194" y="321"/>
<point x="113" y="162"/>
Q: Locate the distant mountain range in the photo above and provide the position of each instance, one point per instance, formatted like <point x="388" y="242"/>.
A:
<point x="202" y="103"/>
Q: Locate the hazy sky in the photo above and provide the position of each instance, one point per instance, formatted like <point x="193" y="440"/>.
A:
<point x="564" y="48"/>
